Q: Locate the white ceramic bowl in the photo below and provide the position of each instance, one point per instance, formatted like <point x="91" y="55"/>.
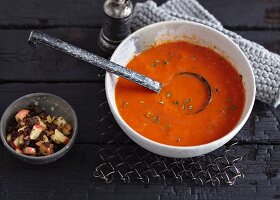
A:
<point x="174" y="31"/>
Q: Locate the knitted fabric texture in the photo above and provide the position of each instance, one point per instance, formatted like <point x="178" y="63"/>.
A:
<point x="265" y="64"/>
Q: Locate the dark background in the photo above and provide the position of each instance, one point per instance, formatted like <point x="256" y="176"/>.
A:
<point x="25" y="70"/>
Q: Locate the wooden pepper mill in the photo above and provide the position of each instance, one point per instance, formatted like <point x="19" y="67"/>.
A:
<point x="116" y="26"/>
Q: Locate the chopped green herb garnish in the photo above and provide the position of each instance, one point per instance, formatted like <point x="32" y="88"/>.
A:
<point x="217" y="90"/>
<point x="167" y="126"/>
<point x="156" y="119"/>
<point x="166" y="62"/>
<point x="188" y="100"/>
<point x="176" y="102"/>
<point x="156" y="62"/>
<point x="154" y="65"/>
<point x="233" y="107"/>
<point x="125" y="104"/>
<point x="190" y="107"/>
<point x="148" y="114"/>
<point x="168" y="94"/>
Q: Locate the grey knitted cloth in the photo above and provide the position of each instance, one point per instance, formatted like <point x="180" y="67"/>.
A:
<point x="266" y="65"/>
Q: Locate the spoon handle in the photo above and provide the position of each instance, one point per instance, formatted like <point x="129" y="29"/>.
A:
<point x="38" y="37"/>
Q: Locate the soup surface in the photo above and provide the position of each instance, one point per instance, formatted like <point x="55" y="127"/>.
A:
<point x="171" y="117"/>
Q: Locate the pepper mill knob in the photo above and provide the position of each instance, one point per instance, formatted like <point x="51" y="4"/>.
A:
<point x="117" y="24"/>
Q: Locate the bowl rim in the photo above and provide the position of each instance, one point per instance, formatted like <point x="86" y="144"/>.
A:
<point x="237" y="127"/>
<point x="48" y="157"/>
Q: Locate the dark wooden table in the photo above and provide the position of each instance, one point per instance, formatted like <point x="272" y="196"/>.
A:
<point x="25" y="70"/>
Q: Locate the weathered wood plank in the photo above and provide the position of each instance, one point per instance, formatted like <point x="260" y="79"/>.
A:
<point x="254" y="14"/>
<point x="87" y="13"/>
<point x="98" y="127"/>
<point x="20" y="62"/>
<point x="71" y="177"/>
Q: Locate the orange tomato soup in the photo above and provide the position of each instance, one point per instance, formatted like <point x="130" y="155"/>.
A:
<point x="171" y="117"/>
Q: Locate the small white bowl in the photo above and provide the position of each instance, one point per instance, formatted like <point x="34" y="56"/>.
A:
<point x="195" y="33"/>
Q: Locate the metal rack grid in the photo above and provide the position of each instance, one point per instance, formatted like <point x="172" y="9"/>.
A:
<point x="122" y="160"/>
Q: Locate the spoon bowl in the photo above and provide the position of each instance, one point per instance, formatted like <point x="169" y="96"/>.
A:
<point x="205" y="84"/>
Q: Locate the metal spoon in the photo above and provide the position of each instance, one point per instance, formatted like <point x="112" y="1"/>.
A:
<point x="38" y="37"/>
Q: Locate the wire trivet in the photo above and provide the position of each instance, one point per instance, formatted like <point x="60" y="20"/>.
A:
<point x="122" y="160"/>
